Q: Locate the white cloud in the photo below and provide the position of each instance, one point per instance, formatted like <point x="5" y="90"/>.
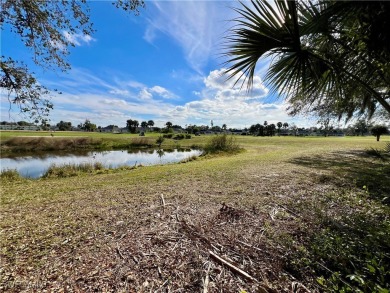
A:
<point x="228" y="89"/>
<point x="145" y="94"/>
<point x="162" y="92"/>
<point x="119" y="92"/>
<point x="111" y="100"/>
<point x="223" y="102"/>
<point x="78" y="39"/>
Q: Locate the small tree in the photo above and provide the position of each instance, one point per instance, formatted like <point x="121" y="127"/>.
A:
<point x="64" y="126"/>
<point x="378" y="130"/>
<point x="160" y="140"/>
<point x="88" y="126"/>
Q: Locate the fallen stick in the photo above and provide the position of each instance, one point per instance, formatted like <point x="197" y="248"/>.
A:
<point x="119" y="252"/>
<point x="290" y="211"/>
<point x="248" y="245"/>
<point x="163" y="202"/>
<point x="232" y="267"/>
<point x="206" y="280"/>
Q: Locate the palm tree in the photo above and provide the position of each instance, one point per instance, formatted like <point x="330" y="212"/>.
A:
<point x="331" y="54"/>
<point x="150" y="124"/>
<point x="224" y="126"/>
<point x="285" y="126"/>
<point x="279" y="124"/>
<point x="144" y="124"/>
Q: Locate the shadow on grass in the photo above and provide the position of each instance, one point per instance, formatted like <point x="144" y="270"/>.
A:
<point x="348" y="244"/>
<point x="354" y="168"/>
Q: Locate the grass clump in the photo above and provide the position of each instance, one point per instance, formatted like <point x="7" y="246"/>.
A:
<point x="10" y="175"/>
<point x="71" y="170"/>
<point x="182" y="136"/>
<point x="141" y="142"/>
<point x="222" y="143"/>
<point x="189" y="159"/>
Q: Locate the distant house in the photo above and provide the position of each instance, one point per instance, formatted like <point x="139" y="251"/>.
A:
<point x="19" y="127"/>
<point x="111" y="129"/>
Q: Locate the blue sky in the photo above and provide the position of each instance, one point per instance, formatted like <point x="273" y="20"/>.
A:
<point x="164" y="65"/>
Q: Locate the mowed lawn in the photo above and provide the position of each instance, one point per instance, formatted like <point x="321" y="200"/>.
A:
<point x="287" y="213"/>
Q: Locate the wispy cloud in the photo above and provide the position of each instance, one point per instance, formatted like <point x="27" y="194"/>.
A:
<point x="197" y="26"/>
<point x="78" y="39"/>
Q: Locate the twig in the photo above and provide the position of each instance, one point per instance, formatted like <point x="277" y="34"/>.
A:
<point x="206" y="280"/>
<point x="329" y="270"/>
<point x="162" y="202"/>
<point x="290" y="211"/>
<point x="232" y="267"/>
<point x="295" y="286"/>
<point x="119" y="252"/>
<point x="251" y="246"/>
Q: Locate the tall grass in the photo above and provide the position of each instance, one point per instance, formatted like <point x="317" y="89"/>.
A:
<point x="222" y="143"/>
<point x="70" y="170"/>
<point x="142" y="142"/>
<point x="50" y="143"/>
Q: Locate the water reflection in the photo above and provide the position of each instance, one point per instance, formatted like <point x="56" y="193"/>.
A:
<point x="34" y="166"/>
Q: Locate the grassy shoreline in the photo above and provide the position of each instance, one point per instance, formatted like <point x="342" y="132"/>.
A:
<point x="301" y="212"/>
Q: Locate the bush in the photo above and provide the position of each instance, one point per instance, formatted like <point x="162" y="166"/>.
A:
<point x="179" y="136"/>
<point x="160" y="140"/>
<point x="222" y="143"/>
<point x="169" y="135"/>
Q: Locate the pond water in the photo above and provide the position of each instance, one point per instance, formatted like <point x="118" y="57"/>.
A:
<point x="34" y="166"/>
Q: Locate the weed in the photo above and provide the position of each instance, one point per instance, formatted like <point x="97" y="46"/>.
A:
<point x="375" y="153"/>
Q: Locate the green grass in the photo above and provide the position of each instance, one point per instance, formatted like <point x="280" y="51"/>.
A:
<point x="309" y="210"/>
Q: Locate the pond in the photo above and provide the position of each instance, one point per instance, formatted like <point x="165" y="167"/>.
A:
<point x="34" y="166"/>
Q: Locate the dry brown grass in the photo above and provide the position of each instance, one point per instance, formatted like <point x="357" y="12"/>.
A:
<point x="42" y="143"/>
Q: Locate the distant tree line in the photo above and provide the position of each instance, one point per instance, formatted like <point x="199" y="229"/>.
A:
<point x="361" y="127"/>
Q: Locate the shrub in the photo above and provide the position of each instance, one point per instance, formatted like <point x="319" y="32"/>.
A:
<point x="179" y="136"/>
<point x="160" y="140"/>
<point x="222" y="143"/>
<point x="169" y="135"/>
<point x="188" y="136"/>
